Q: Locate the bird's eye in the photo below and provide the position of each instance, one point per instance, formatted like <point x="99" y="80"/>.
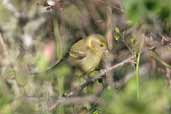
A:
<point x="101" y="45"/>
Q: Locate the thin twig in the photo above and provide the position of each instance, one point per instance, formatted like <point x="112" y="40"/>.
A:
<point x="104" y="71"/>
<point x="74" y="100"/>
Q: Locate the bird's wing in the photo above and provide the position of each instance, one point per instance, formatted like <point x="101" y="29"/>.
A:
<point x="77" y="54"/>
<point x="78" y="50"/>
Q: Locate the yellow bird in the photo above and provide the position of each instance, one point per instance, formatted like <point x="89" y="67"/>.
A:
<point x="87" y="53"/>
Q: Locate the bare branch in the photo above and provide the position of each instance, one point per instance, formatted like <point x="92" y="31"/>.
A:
<point x="74" y="100"/>
<point x="109" y="37"/>
<point x="104" y="71"/>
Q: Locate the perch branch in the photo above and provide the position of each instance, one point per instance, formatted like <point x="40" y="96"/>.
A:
<point x="104" y="71"/>
<point x="74" y="100"/>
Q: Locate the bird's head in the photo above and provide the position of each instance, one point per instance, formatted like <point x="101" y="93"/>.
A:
<point x="97" y="43"/>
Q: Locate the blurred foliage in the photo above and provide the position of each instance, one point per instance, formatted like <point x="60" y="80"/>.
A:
<point x="151" y="12"/>
<point x="35" y="36"/>
<point x="155" y="99"/>
<point x="142" y="9"/>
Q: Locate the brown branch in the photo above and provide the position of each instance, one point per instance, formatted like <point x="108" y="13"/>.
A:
<point x="108" y="60"/>
<point x="61" y="101"/>
<point x="74" y="100"/>
<point x="109" y="26"/>
<point x="104" y="71"/>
